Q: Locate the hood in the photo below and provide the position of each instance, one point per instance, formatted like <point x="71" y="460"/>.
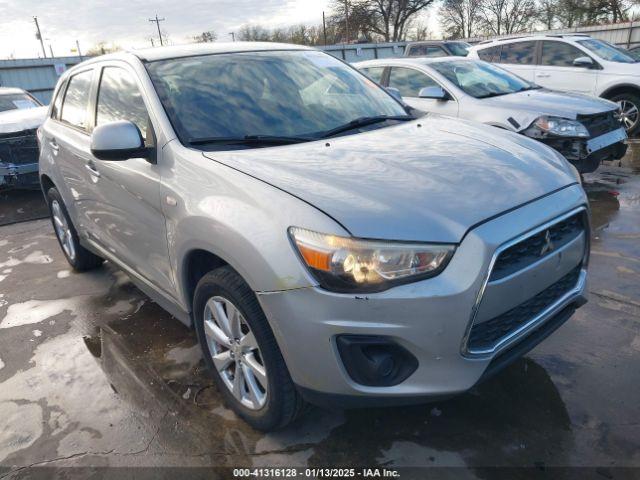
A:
<point x="425" y="180"/>
<point x="22" y="119"/>
<point x="528" y="106"/>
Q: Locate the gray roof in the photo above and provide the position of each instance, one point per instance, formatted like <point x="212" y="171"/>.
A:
<point x="161" y="53"/>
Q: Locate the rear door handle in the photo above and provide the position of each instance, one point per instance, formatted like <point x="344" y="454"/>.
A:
<point x="92" y="170"/>
<point x="54" y="145"/>
<point x="543" y="75"/>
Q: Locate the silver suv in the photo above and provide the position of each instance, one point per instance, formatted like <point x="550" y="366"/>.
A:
<point x="324" y="244"/>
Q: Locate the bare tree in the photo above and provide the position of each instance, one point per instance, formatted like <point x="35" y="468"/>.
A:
<point x="460" y="18"/>
<point x="206" y="37"/>
<point x="390" y="18"/>
<point x="421" y="32"/>
<point x="547" y="13"/>
<point x="500" y="17"/>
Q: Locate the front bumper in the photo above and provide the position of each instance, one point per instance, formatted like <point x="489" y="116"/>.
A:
<point x="20" y="175"/>
<point x="430" y="319"/>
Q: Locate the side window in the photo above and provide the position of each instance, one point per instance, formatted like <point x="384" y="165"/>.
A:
<point x="374" y="73"/>
<point x="426" y="51"/>
<point x="559" y="54"/>
<point x="522" y="53"/>
<point x="57" y="103"/>
<point x="490" y="54"/>
<point x="409" y="82"/>
<point x="76" y="100"/>
<point x="120" y="99"/>
<point x="435" y="52"/>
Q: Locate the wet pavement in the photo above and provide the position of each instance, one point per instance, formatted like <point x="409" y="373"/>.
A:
<point x="94" y="374"/>
<point x="21" y="206"/>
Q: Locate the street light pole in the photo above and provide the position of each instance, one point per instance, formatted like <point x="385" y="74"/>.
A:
<point x="233" y="36"/>
<point x="39" y="36"/>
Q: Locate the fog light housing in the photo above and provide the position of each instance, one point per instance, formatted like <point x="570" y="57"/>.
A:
<point x="375" y="361"/>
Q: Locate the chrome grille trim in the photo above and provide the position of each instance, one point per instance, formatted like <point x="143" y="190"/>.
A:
<point x="515" y="335"/>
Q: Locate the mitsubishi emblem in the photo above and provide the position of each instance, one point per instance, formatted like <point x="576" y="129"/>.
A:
<point x="548" y="244"/>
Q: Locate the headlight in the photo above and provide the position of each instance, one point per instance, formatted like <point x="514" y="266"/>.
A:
<point x="344" y="264"/>
<point x="561" y="127"/>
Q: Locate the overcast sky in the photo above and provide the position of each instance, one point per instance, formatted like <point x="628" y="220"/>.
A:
<point x="125" y="22"/>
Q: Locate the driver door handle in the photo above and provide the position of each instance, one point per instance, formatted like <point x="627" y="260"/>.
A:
<point x="92" y="169"/>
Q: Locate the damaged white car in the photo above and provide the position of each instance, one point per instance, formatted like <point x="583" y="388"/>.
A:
<point x="20" y="116"/>
<point x="585" y="130"/>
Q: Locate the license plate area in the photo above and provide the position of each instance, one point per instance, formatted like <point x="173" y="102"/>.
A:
<point x="605" y="140"/>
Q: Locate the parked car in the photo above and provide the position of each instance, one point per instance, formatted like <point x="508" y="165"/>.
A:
<point x="575" y="63"/>
<point x="324" y="244"/>
<point x="20" y="115"/>
<point x="445" y="48"/>
<point x="584" y="129"/>
<point x="634" y="52"/>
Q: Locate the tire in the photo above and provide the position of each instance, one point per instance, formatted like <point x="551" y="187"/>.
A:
<point x="631" y="103"/>
<point x="78" y="257"/>
<point x="273" y="405"/>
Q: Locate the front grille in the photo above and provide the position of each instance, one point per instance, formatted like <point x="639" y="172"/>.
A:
<point x="484" y="336"/>
<point x="600" y="123"/>
<point x="19" y="148"/>
<point x="534" y="248"/>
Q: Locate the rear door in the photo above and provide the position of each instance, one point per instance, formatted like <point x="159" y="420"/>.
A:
<point x="410" y="81"/>
<point x="556" y="70"/>
<point x="519" y="58"/>
<point x="130" y="221"/>
<point x="66" y="143"/>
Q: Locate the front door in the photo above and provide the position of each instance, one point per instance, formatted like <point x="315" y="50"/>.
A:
<point x="130" y="221"/>
<point x="557" y="72"/>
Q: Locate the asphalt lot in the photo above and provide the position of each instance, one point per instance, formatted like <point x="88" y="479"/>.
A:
<point x="94" y="374"/>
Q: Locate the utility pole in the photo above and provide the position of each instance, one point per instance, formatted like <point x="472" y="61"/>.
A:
<point x="39" y="36"/>
<point x="233" y="36"/>
<point x="51" y="50"/>
<point x="346" y="18"/>
<point x="78" y="47"/>
<point x="157" y="22"/>
<point x="324" y="28"/>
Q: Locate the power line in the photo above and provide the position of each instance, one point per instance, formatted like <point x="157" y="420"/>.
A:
<point x="157" y="22"/>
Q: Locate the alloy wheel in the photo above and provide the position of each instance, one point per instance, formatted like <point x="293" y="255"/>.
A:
<point x="63" y="232"/>
<point x="629" y="114"/>
<point x="235" y="352"/>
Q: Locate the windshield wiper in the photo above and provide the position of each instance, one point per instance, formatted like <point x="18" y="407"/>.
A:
<point x="249" y="140"/>
<point x="363" y="122"/>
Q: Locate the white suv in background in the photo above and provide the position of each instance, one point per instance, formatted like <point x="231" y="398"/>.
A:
<point x="573" y="62"/>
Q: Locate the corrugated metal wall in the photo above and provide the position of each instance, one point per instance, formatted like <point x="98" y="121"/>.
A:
<point x="36" y="75"/>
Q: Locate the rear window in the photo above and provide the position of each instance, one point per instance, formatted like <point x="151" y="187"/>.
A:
<point x="76" y="100"/>
<point x="520" y="53"/>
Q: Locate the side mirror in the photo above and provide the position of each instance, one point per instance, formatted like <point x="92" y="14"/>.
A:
<point x="583" y="62"/>
<point x="436" y="93"/>
<point x="395" y="93"/>
<point x="117" y="141"/>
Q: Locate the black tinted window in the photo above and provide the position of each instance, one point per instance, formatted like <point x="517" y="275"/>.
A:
<point x="409" y="82"/>
<point x="522" y="53"/>
<point x="76" y="100"/>
<point x="560" y="54"/>
<point x="426" y="51"/>
<point x="374" y="73"/>
<point x="491" y="54"/>
<point x="120" y="99"/>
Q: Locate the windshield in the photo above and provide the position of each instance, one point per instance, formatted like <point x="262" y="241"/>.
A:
<point x="16" y="101"/>
<point x="606" y="51"/>
<point x="267" y="94"/>
<point x="459" y="49"/>
<point x="481" y="79"/>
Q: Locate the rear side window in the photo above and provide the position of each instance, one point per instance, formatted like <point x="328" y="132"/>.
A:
<point x="120" y="99"/>
<point x="76" y="100"/>
<point x="409" y="82"/>
<point x="521" y="53"/>
<point x="491" y="54"/>
<point x="374" y="73"/>
<point x="426" y="51"/>
<point x="560" y="54"/>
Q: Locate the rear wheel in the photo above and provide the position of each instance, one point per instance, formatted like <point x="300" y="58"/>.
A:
<point x="241" y="352"/>
<point x="629" y="111"/>
<point x="78" y="257"/>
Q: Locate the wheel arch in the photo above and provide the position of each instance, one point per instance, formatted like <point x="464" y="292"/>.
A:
<point x="620" y="88"/>
<point x="195" y="264"/>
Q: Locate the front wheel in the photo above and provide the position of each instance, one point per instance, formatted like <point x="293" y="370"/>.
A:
<point x="78" y="257"/>
<point x="629" y="112"/>
<point x="241" y="352"/>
